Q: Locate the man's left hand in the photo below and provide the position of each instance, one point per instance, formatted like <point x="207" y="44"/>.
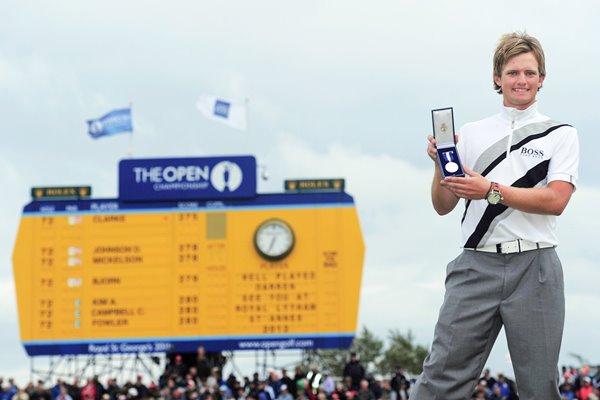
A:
<point x="471" y="187"/>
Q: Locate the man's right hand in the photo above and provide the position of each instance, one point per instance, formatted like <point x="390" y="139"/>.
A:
<point x="443" y="199"/>
<point x="431" y="149"/>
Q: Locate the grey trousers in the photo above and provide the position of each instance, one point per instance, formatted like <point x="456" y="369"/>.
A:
<point x="522" y="291"/>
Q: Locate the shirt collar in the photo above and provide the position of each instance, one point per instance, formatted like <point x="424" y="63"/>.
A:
<point x="512" y="114"/>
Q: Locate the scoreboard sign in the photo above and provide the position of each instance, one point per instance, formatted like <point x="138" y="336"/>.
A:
<point x="61" y="193"/>
<point x="187" y="178"/>
<point x="107" y="276"/>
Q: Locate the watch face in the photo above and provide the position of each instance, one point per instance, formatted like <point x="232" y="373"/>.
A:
<point x="494" y="198"/>
<point x="274" y="239"/>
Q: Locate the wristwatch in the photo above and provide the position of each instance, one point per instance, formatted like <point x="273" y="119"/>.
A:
<point x="493" y="195"/>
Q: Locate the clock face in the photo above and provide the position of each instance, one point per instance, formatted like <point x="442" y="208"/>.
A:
<point x="274" y="239"/>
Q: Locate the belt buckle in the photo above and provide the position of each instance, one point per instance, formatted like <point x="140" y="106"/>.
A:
<point x="509" y="247"/>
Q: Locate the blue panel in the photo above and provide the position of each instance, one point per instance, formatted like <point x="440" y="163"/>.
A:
<point x="162" y="345"/>
<point x="275" y="201"/>
<point x="187" y="178"/>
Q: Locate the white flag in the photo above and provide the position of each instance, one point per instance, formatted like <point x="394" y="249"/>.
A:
<point x="229" y="112"/>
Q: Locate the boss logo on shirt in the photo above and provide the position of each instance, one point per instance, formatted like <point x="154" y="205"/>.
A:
<point x="534" y="153"/>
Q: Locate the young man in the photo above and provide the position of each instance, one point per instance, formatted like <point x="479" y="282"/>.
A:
<point x="522" y="169"/>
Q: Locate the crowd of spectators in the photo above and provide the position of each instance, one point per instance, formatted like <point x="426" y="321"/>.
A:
<point x="200" y="379"/>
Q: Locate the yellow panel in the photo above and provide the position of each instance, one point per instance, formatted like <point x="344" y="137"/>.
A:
<point x="186" y="273"/>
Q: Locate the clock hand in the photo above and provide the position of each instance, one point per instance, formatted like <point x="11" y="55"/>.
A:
<point x="272" y="243"/>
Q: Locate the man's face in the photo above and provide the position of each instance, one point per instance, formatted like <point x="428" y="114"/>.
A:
<point x="520" y="81"/>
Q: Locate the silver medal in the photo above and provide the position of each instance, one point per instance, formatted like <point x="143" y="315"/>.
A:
<point x="451" y="167"/>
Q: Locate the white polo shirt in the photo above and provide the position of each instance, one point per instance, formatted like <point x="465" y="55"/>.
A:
<point x="521" y="149"/>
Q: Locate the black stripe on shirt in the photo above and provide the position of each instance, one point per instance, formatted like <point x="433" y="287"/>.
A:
<point x="502" y="156"/>
<point x="534" y="176"/>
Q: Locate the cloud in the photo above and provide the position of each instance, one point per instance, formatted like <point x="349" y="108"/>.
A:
<point x="7" y="299"/>
<point x="24" y="74"/>
<point x="15" y="196"/>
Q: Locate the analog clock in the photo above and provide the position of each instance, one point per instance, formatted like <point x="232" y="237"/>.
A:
<point x="274" y="239"/>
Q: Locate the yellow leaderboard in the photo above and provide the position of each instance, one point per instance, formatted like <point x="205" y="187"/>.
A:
<point x="98" y="276"/>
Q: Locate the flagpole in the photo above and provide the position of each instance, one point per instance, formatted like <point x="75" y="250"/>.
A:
<point x="130" y="151"/>
<point x="246" y="145"/>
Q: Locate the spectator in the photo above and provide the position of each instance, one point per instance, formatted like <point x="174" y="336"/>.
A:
<point x="178" y="367"/>
<point x="171" y="387"/>
<point x="299" y="380"/>
<point x="481" y="386"/>
<point x="75" y="389"/>
<point x="20" y="395"/>
<point x="397" y="380"/>
<point x="264" y="391"/>
<point x="225" y="392"/>
<point x="566" y="391"/>
<point x="40" y="392"/>
<point x="214" y="380"/>
<point x="88" y="392"/>
<point x="112" y="389"/>
<point x="232" y="383"/>
<point x="241" y="394"/>
<point x="274" y="383"/>
<point x="338" y="392"/>
<point x="355" y="371"/>
<point x="506" y="386"/>
<point x="63" y="394"/>
<point x="376" y="387"/>
<point x="143" y="391"/>
<point x="488" y="378"/>
<point x="364" y="393"/>
<point x="328" y="384"/>
<point x="586" y="389"/>
<point x="313" y="378"/>
<point x="190" y="383"/>
<point x="479" y="394"/>
<point x="289" y="382"/>
<point x="403" y="391"/>
<point x="564" y="375"/>
<point x="304" y="390"/>
<point x="55" y="391"/>
<point x="11" y="390"/>
<point x="284" y="393"/>
<point x="203" y="365"/>
<point x="496" y="393"/>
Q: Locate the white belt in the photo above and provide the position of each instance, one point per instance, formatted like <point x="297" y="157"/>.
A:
<point x="514" y="246"/>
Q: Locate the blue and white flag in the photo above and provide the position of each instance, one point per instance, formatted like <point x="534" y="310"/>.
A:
<point x="116" y="121"/>
<point x="229" y="112"/>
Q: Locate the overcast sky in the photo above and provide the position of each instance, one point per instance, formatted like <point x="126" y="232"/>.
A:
<point x="335" y="88"/>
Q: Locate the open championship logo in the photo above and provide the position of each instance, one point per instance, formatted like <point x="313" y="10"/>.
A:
<point x="226" y="176"/>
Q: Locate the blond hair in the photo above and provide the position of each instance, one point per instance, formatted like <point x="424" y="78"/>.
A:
<point x="513" y="44"/>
